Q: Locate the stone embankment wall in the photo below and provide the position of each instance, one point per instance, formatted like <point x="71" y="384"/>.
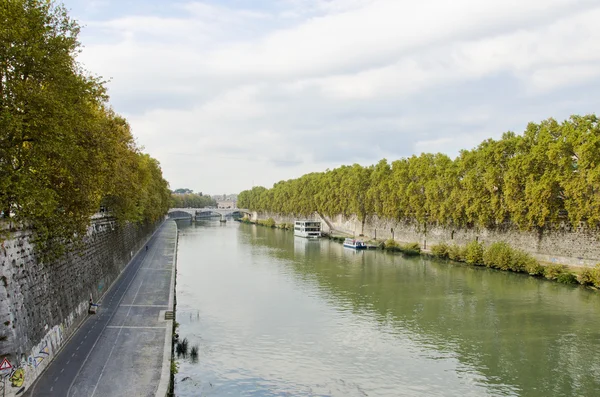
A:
<point x="41" y="304"/>
<point x="565" y="245"/>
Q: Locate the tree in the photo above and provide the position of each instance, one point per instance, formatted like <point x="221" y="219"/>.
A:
<point x="63" y="151"/>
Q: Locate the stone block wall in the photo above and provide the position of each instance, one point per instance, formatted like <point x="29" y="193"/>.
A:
<point x="565" y="245"/>
<point x="41" y="304"/>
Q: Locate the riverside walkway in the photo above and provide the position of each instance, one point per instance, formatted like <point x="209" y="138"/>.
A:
<point x="125" y="349"/>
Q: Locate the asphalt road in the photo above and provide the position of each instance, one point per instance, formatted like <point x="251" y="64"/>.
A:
<point x="119" y="351"/>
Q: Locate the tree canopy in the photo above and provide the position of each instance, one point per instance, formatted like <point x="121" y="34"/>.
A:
<point x="63" y="151"/>
<point x="549" y="173"/>
<point x="191" y="200"/>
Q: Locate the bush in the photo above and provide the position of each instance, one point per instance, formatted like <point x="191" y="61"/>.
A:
<point x="498" y="255"/>
<point x="552" y="272"/>
<point x="520" y="261"/>
<point x="474" y="253"/>
<point x="411" y="249"/>
<point x="590" y="276"/>
<point x="456" y="253"/>
<point x="567" y="278"/>
<point x="268" y="223"/>
<point x="391" y="243"/>
<point x="440" y="250"/>
<point x="533" y="268"/>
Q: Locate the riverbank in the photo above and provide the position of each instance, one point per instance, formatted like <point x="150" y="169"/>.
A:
<point x="497" y="255"/>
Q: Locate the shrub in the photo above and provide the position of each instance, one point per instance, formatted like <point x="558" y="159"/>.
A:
<point x="391" y="243"/>
<point x="551" y="272"/>
<point x="520" y="259"/>
<point x="411" y="249"/>
<point x="567" y="278"/>
<point x="474" y="253"/>
<point x="590" y="276"/>
<point x="533" y="268"/>
<point x="456" y="253"/>
<point x="498" y="255"/>
<point x="440" y="250"/>
<point x="268" y="223"/>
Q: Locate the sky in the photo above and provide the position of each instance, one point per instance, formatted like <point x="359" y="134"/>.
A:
<point x="232" y="94"/>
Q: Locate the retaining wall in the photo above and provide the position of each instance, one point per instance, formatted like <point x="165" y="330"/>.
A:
<point x="565" y="245"/>
<point x="41" y="304"/>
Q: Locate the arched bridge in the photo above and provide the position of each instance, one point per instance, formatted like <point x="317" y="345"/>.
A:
<point x="196" y="213"/>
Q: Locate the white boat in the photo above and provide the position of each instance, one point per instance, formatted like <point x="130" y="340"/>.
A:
<point x="308" y="229"/>
<point x="356" y="244"/>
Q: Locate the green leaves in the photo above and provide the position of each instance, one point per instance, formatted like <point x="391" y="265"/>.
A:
<point x="62" y="150"/>
<point x="531" y="181"/>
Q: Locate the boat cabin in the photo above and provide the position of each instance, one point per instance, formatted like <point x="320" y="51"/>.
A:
<point x="308" y="229"/>
<point x="353" y="243"/>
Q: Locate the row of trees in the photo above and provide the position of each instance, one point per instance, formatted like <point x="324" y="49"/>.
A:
<point x="63" y="152"/>
<point x="533" y="180"/>
<point x="191" y="200"/>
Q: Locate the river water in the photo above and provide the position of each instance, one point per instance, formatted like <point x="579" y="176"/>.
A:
<point x="277" y="315"/>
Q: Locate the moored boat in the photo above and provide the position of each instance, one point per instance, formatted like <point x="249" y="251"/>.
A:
<point x="308" y="229"/>
<point x="353" y="243"/>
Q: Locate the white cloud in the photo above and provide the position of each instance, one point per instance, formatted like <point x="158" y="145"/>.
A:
<point x="305" y="84"/>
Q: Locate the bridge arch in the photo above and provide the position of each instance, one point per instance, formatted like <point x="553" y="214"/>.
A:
<point x="193" y="213"/>
<point x="178" y="214"/>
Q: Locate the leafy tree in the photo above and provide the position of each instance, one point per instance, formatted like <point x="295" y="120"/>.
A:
<point x="63" y="152"/>
<point x="531" y="180"/>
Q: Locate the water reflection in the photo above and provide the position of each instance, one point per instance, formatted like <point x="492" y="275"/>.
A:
<point x="280" y="315"/>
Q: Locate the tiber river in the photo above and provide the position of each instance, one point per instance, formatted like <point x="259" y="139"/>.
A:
<point x="277" y="315"/>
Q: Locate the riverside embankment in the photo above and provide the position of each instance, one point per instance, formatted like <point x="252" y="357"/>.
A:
<point x="561" y="245"/>
<point x="134" y="287"/>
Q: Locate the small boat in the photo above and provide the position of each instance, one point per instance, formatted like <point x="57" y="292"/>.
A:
<point x="356" y="244"/>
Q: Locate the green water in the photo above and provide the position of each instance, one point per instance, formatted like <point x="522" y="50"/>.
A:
<point x="277" y="315"/>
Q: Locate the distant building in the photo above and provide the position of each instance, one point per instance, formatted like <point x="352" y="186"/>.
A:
<point x="226" y="204"/>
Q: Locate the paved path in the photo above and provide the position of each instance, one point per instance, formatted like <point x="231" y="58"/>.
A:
<point x="119" y="351"/>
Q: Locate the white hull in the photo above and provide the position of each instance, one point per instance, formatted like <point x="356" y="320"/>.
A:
<point x="307" y="229"/>
<point x="307" y="235"/>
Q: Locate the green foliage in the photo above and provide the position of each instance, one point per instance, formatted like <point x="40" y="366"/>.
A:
<point x="407" y="249"/>
<point x="440" y="250"/>
<point x="553" y="271"/>
<point x="174" y="367"/>
<point x="456" y="253"/>
<point x="411" y="249"/>
<point x="533" y="268"/>
<point x="530" y="180"/>
<point x="191" y="200"/>
<point x="591" y="276"/>
<point x="63" y="151"/>
<point x="498" y="255"/>
<point x="474" y="253"/>
<point x="286" y="226"/>
<point x="567" y="278"/>
<point x="390" y="243"/>
<point x="268" y="222"/>
<point x="523" y="262"/>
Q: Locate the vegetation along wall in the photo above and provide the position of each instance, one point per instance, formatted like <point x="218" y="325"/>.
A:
<point x="539" y="191"/>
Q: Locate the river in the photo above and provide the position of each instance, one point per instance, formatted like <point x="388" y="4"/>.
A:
<point x="277" y="315"/>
